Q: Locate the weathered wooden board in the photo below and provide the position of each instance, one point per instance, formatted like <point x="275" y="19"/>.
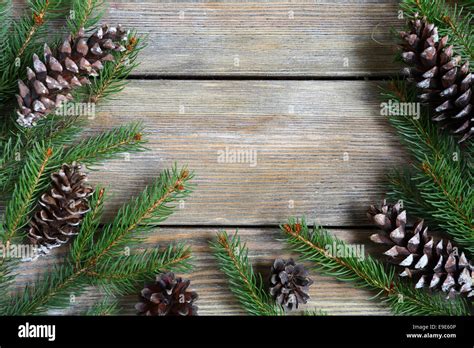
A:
<point x="328" y="294"/>
<point x="322" y="148"/>
<point x="277" y="38"/>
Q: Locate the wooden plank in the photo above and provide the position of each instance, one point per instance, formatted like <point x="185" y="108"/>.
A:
<point x="277" y="38"/>
<point x="322" y="148"/>
<point x="328" y="294"/>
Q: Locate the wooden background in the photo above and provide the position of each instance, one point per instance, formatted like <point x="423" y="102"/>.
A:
<point x="295" y="81"/>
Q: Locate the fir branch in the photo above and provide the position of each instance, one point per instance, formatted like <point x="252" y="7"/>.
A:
<point x="106" y="145"/>
<point x="5" y="19"/>
<point x="453" y="21"/>
<point x="89" y="151"/>
<point x="121" y="275"/>
<point x="23" y="41"/>
<point x="244" y="284"/>
<point x="89" y="226"/>
<point x="10" y="155"/>
<point x="84" y="14"/>
<point x="441" y="180"/>
<point x="366" y="273"/>
<point x="113" y="77"/>
<point x="51" y="292"/>
<point x="105" y="307"/>
<point x="153" y="205"/>
<point x="58" y="130"/>
<point x="30" y="183"/>
<point x="7" y="276"/>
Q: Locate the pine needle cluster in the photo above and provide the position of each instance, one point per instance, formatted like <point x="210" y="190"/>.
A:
<point x="365" y="273"/>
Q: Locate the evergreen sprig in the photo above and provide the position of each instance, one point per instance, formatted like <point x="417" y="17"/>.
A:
<point x="439" y="186"/>
<point x="366" y="273"/>
<point x="150" y="208"/>
<point x="30" y="184"/>
<point x="84" y="14"/>
<point x="454" y="21"/>
<point x="104" y="260"/>
<point x="244" y="284"/>
<point x="23" y="40"/>
<point x="106" y="307"/>
<point x="113" y="77"/>
<point x="106" y="145"/>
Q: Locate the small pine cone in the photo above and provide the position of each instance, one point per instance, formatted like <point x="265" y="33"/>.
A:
<point x="289" y="283"/>
<point x="167" y="296"/>
<point x="444" y="81"/>
<point x="62" y="209"/>
<point x="50" y="82"/>
<point x="433" y="263"/>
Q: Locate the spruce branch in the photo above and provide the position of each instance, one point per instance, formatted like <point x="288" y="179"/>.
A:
<point x="60" y="130"/>
<point x="118" y="272"/>
<point x="84" y="14"/>
<point x="113" y="77"/>
<point x="106" y="145"/>
<point x="441" y="178"/>
<point x="22" y="41"/>
<point x="453" y="21"/>
<point x="30" y="183"/>
<point x="151" y="207"/>
<point x="89" y="226"/>
<point x="106" y="307"/>
<point x="365" y="273"/>
<point x="89" y="151"/>
<point x="121" y="275"/>
<point x="10" y="152"/>
<point x="244" y="284"/>
<point x="5" y="19"/>
<point x="51" y="292"/>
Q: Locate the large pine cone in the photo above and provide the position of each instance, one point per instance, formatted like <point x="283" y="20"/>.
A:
<point x="62" y="209"/>
<point x="167" y="296"/>
<point x="289" y="283"/>
<point x="433" y="263"/>
<point x="49" y="83"/>
<point x="444" y="81"/>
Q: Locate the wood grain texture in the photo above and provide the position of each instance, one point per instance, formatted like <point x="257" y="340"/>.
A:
<point x="301" y="132"/>
<point x="322" y="148"/>
<point x="273" y="38"/>
<point x="328" y="294"/>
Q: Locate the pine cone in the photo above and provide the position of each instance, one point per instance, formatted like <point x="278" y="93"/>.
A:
<point x="167" y="296"/>
<point x="50" y="82"/>
<point x="62" y="209"/>
<point x="443" y="80"/>
<point x="431" y="262"/>
<point x="289" y="283"/>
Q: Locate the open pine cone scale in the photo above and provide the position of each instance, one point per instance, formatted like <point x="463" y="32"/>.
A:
<point x="433" y="263"/>
<point x="62" y="209"/>
<point x="49" y="82"/>
<point x="444" y="81"/>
